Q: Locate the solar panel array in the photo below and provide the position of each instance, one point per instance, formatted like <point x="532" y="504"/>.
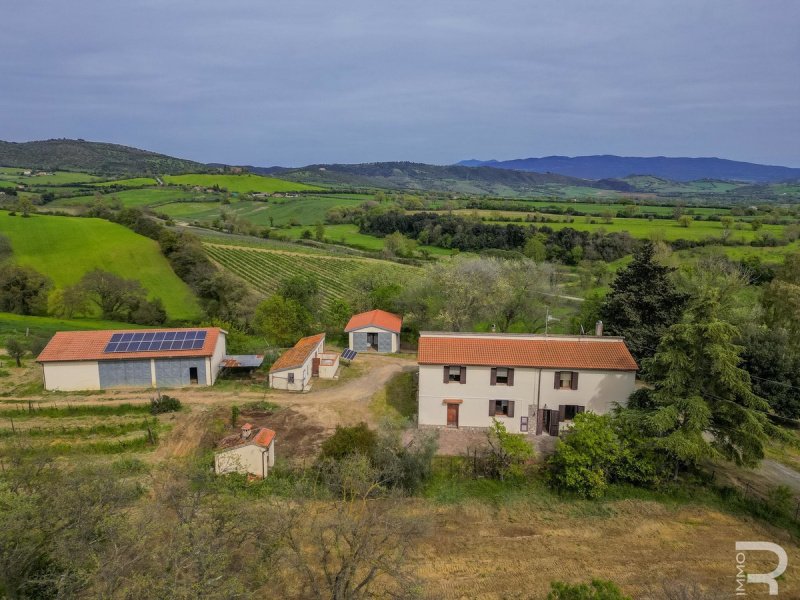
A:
<point x="349" y="354"/>
<point x="152" y="341"/>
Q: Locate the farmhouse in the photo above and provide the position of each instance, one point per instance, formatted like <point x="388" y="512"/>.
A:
<point x="94" y="360"/>
<point x="295" y="367"/>
<point x="252" y="452"/>
<point x="374" y="330"/>
<point x="531" y="383"/>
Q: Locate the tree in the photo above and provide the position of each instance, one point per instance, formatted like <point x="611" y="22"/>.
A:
<point x="756" y="224"/>
<point x="535" y="249"/>
<point x="700" y="389"/>
<point x="319" y="232"/>
<point x="396" y="244"/>
<point x="6" y="251"/>
<point x="507" y="453"/>
<point x="769" y="356"/>
<point x="115" y="296"/>
<point x="23" y="290"/>
<point x="25" y="206"/>
<point x="684" y="221"/>
<point x="727" y="222"/>
<point x="15" y="349"/>
<point x="781" y="298"/>
<point x="282" y="320"/>
<point x="303" y="289"/>
<point x="68" y="302"/>
<point x="642" y="303"/>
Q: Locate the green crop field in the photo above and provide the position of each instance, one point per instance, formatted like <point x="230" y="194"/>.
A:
<point x="57" y="178"/>
<point x="305" y="210"/>
<point x="65" y="248"/>
<point x="132" y="182"/>
<point x="349" y="235"/>
<point x="265" y="269"/>
<point x="239" y="183"/>
<point x="21" y="325"/>
<point x="140" y="197"/>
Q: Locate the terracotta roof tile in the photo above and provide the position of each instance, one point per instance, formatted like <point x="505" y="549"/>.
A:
<point x="296" y="356"/>
<point x="264" y="437"/>
<point x="607" y="354"/>
<point x="90" y="345"/>
<point x="375" y="318"/>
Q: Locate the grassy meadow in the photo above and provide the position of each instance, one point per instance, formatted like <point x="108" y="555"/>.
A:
<point x="244" y="183"/>
<point x="65" y="248"/>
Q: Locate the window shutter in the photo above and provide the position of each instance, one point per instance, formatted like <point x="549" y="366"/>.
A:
<point x="491" y="408"/>
<point x="463" y="374"/>
<point x="511" y="377"/>
<point x="574" y="384"/>
<point x="446" y="374"/>
<point x="553" y="423"/>
<point x="562" y="412"/>
<point x="510" y="408"/>
<point x="558" y="379"/>
<point x="493" y="380"/>
<point x="539" y="421"/>
<point x="580" y="409"/>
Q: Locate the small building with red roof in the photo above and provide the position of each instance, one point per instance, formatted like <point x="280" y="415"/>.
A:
<point x="251" y="451"/>
<point x="531" y="383"/>
<point x="375" y="330"/>
<point x="135" y="358"/>
<point x="296" y="367"/>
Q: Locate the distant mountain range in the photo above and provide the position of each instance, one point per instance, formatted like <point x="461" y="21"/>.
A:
<point x="676" y="169"/>
<point x="94" y="157"/>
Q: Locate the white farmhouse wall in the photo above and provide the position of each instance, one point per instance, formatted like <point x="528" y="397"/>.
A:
<point x="328" y="366"/>
<point x="370" y="329"/>
<point x="597" y="392"/>
<point x="252" y="459"/>
<point x="216" y="360"/>
<point x="71" y="376"/>
<point x="279" y="380"/>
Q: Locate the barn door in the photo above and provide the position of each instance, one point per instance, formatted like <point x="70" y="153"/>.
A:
<point x="553" y="430"/>
<point x="315" y="367"/>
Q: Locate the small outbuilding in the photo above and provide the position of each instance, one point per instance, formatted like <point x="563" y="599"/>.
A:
<point x="136" y="358"/>
<point x="252" y="451"/>
<point x="298" y="365"/>
<point x="376" y="330"/>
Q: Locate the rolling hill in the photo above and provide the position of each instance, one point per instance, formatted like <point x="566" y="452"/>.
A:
<point x="676" y="169"/>
<point x="94" y="157"/>
<point x="65" y="248"/>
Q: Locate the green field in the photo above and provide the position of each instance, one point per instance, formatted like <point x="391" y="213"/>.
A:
<point x="57" y="178"/>
<point x="65" y="248"/>
<point x="132" y="182"/>
<point x="239" y="183"/>
<point x="265" y="269"/>
<point x="139" y="198"/>
<point x="305" y="210"/>
<point x="21" y="325"/>
<point x="349" y="235"/>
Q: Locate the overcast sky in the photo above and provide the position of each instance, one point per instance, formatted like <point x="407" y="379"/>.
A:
<point x="296" y="82"/>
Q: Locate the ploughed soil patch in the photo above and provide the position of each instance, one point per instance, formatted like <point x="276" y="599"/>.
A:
<point x="297" y="438"/>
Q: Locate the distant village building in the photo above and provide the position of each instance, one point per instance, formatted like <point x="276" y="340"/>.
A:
<point x="376" y="330"/>
<point x="295" y="367"/>
<point x="531" y="383"/>
<point x="140" y="358"/>
<point x="252" y="451"/>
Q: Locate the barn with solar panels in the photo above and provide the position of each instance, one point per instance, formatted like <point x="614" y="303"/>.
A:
<point x="158" y="358"/>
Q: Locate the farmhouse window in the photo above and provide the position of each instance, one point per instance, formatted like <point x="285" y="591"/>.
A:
<point x="503" y="408"/>
<point x="566" y="380"/>
<point x="502" y="376"/>
<point x="290" y="377"/>
<point x="455" y="374"/>
<point x="567" y="412"/>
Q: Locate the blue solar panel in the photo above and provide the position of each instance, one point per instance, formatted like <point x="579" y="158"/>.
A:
<point x="349" y="354"/>
<point x="155" y="341"/>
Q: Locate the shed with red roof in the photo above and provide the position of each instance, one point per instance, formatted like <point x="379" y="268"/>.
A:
<point x="252" y="451"/>
<point x="375" y="330"/>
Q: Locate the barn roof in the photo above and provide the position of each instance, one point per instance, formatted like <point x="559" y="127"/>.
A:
<point x="375" y="318"/>
<point x="91" y="345"/>
<point x="296" y="356"/>
<point x="260" y="437"/>
<point x="509" y="350"/>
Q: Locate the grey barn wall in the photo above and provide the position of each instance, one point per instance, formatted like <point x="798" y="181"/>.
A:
<point x="360" y="342"/>
<point x="174" y="372"/>
<point x="125" y="373"/>
<point x="384" y="342"/>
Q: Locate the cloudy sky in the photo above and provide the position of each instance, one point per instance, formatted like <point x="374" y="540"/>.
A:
<point x="296" y="82"/>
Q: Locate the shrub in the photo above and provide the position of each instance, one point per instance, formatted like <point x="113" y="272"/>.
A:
<point x="347" y="441"/>
<point x="597" y="590"/>
<point x="507" y="453"/>
<point x="164" y="404"/>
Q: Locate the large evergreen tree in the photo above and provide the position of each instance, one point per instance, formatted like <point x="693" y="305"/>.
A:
<point x="642" y="303"/>
<point x="704" y="402"/>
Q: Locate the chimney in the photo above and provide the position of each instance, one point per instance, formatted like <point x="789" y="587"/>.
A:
<point x="494" y="328"/>
<point x="247" y="429"/>
<point x="598" y="329"/>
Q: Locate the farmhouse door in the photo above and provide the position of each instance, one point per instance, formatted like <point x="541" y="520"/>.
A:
<point x="193" y="375"/>
<point x="452" y="415"/>
<point x="315" y="367"/>
<point x="372" y="340"/>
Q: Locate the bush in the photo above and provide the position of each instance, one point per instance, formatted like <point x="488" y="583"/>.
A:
<point x="597" y="590"/>
<point x="164" y="404"/>
<point x="347" y="441"/>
